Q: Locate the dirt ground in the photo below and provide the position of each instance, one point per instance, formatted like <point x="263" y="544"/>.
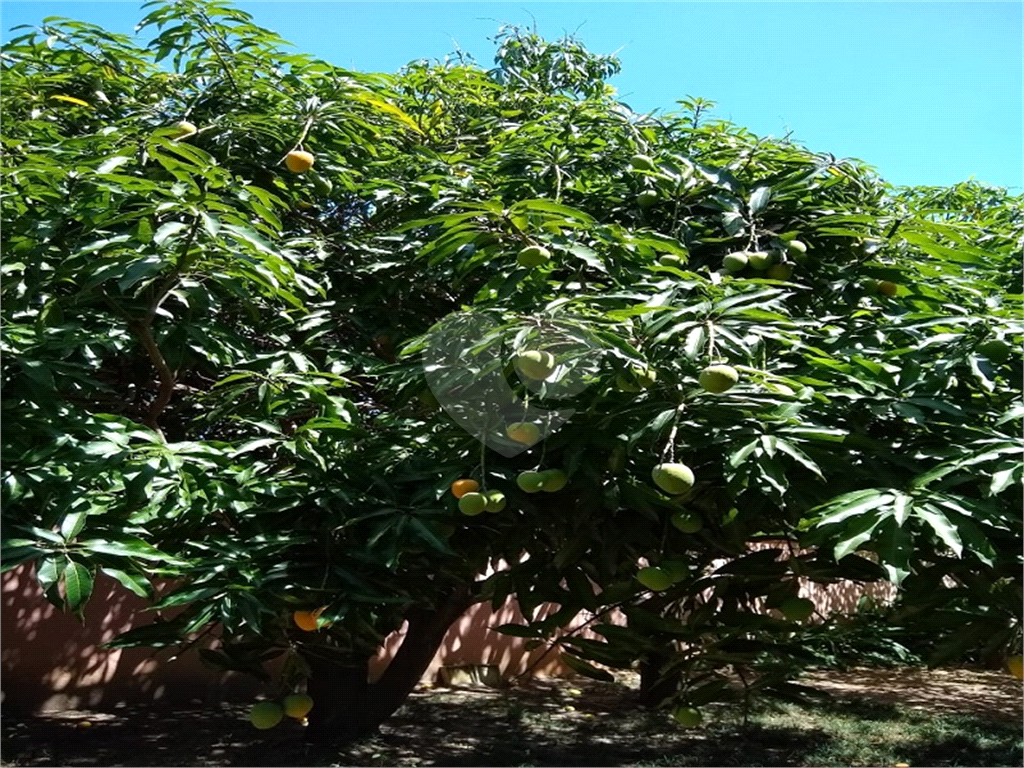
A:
<point x="939" y="691"/>
<point x="547" y="722"/>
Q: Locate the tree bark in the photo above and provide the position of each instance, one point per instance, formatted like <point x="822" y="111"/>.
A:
<point x="347" y="705"/>
<point x="654" y="686"/>
<point x="339" y="695"/>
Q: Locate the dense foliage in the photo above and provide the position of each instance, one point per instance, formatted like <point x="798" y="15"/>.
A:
<point x="212" y="372"/>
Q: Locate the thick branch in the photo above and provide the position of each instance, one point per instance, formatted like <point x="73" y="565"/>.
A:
<point x="348" y="705"/>
<point x="144" y="333"/>
<point x="423" y="637"/>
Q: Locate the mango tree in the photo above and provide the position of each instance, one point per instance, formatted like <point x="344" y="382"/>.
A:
<point x="260" y="313"/>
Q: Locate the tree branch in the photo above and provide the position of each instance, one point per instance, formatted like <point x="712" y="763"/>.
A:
<point x="171" y="280"/>
<point x="144" y="332"/>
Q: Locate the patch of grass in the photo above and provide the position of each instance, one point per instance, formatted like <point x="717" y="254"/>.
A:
<point x="857" y="732"/>
<point x="866" y="734"/>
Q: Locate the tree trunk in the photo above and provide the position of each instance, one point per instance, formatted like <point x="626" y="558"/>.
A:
<point x="347" y="705"/>
<point x="339" y="696"/>
<point x="654" y="686"/>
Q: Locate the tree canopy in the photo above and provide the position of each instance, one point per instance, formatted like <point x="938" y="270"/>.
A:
<point x="214" y="367"/>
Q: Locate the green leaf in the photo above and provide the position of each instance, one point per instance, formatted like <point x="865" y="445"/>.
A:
<point x="73" y="524"/>
<point x="128" y="547"/>
<point x="852" y="504"/>
<point x="156" y="635"/>
<point x="857" y="532"/>
<point x="759" y="199"/>
<point x="1004" y="476"/>
<point x="941" y="525"/>
<point x="895" y="547"/>
<point x="77" y="585"/>
<point x="802" y="458"/>
<point x="135" y="583"/>
<point x="184" y="596"/>
<point x="585" y="668"/>
<point x="589" y="256"/>
<point x="545" y="206"/>
<point x="429" y="536"/>
<point x="13" y="556"/>
<point x="579" y="585"/>
<point x="112" y="163"/>
<point x="168" y="231"/>
<point x="738" y="457"/>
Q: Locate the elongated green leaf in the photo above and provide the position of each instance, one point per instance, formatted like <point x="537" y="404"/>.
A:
<point x="77" y="585"/>
<point x="127" y="547"/>
<point x="167" y="231"/>
<point x="14" y="556"/>
<point x="856" y="533"/>
<point x="73" y="524"/>
<point x="759" y="199"/>
<point x="852" y="504"/>
<point x="49" y="571"/>
<point x="941" y="525"/>
<point x="546" y="206"/>
<point x="137" y="584"/>
<point x="585" y="668"/>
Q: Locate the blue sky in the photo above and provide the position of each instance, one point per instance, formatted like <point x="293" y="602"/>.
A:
<point x="926" y="92"/>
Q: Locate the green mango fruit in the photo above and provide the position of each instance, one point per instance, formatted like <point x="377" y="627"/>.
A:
<point x="533" y="256"/>
<point x="472" y="504"/>
<point x="760" y="260"/>
<point x="686" y="521"/>
<point x="655" y="579"/>
<point x="718" y="378"/>
<point x="996" y="350"/>
<point x="495" y="501"/>
<point x="673" y="478"/>
<point x="529" y="481"/>
<point x="523" y="432"/>
<point x="297" y="705"/>
<point x="645" y="377"/>
<point x="266" y="715"/>
<point x="643" y="163"/>
<point x="797" y="609"/>
<point x="535" y="364"/>
<point x="735" y="262"/>
<point x="647" y="198"/>
<point x="181" y="129"/>
<point x="688" y="717"/>
<point x="554" y="480"/>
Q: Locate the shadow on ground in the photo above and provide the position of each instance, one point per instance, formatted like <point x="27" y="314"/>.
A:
<point x="565" y="723"/>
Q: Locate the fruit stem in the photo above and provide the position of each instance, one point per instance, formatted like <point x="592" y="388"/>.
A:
<point x="670" y="447"/>
<point x="302" y="136"/>
<point x="711" y="340"/>
<point x="544" y="443"/>
<point x="483" y="465"/>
